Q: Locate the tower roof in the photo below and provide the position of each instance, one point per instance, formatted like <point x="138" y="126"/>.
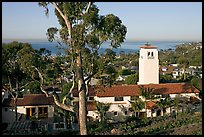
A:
<point x="148" y="46"/>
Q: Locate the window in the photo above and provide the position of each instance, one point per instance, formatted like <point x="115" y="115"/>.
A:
<point x="115" y="113"/>
<point x="118" y="98"/>
<point x="126" y="112"/>
<point x="45" y="110"/>
<point x="148" y="54"/>
<point x="132" y="98"/>
<point x="40" y="110"/>
<point x="33" y="111"/>
<point x="91" y="98"/>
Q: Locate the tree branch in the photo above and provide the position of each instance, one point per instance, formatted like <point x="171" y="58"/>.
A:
<point x="87" y="9"/>
<point x="63" y="106"/>
<point x="41" y="81"/>
<point x="71" y="89"/>
<point x="68" y="24"/>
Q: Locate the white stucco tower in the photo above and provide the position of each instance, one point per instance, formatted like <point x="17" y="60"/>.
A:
<point x="148" y="65"/>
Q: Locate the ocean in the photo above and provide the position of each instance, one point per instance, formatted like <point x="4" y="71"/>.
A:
<point x="127" y="47"/>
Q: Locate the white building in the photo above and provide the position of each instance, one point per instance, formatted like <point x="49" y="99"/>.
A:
<point x="119" y="97"/>
<point x="148" y="65"/>
<point x="37" y="105"/>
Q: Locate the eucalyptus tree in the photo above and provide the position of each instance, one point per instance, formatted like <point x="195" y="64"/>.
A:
<point x="82" y="27"/>
<point x="13" y="75"/>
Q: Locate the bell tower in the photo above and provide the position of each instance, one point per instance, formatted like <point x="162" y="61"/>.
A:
<point x="148" y="65"/>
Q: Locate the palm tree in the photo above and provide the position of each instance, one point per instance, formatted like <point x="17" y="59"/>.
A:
<point x="165" y="103"/>
<point x="102" y="108"/>
<point x="178" y="101"/>
<point x="146" y="93"/>
<point x="137" y="104"/>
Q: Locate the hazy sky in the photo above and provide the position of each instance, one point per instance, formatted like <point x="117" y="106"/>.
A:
<point x="145" y="21"/>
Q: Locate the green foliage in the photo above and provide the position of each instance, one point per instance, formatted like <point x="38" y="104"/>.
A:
<point x="137" y="104"/>
<point x="196" y="82"/>
<point x="126" y="72"/>
<point x="132" y="79"/>
<point x="33" y="88"/>
<point x="147" y="93"/>
<point x="165" y="78"/>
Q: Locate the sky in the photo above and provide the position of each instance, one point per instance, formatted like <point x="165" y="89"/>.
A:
<point x="145" y="21"/>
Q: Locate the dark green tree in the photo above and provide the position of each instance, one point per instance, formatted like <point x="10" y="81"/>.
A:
<point x="132" y="79"/>
<point x="146" y="93"/>
<point x="81" y="27"/>
<point x="137" y="104"/>
<point x="13" y="75"/>
<point x="102" y="108"/>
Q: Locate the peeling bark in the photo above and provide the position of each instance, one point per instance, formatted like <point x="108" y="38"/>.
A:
<point x="82" y="96"/>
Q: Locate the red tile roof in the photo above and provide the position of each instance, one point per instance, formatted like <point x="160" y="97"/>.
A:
<point x="148" y="47"/>
<point x="151" y="104"/>
<point x="30" y="100"/>
<point x="134" y="90"/>
<point x="91" y="106"/>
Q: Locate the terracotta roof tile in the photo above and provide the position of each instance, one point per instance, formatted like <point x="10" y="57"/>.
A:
<point x="134" y="90"/>
<point x="91" y="106"/>
<point x="148" y="47"/>
<point x="31" y="100"/>
<point x="151" y="104"/>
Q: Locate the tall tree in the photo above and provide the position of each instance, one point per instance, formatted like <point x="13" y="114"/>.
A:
<point x="146" y="93"/>
<point x="13" y="75"/>
<point x="102" y="108"/>
<point x="81" y="27"/>
<point x="137" y="104"/>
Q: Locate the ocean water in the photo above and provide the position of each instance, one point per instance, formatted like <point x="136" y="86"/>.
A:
<point x="127" y="47"/>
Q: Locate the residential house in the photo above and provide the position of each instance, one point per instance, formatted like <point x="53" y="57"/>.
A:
<point x="165" y="70"/>
<point x="120" y="96"/>
<point x="31" y="107"/>
<point x="176" y="73"/>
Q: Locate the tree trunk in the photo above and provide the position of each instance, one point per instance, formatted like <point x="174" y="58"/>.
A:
<point x="15" y="108"/>
<point x="82" y="96"/>
<point x="184" y="75"/>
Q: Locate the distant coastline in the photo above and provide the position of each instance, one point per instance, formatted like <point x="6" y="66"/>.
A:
<point x="127" y="46"/>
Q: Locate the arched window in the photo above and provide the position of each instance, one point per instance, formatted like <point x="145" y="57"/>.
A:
<point x="148" y="54"/>
<point x="152" y="54"/>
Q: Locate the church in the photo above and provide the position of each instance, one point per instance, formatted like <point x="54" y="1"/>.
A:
<point x="120" y="96"/>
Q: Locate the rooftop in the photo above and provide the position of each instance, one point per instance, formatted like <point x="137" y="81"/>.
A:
<point x="30" y="100"/>
<point x="134" y="90"/>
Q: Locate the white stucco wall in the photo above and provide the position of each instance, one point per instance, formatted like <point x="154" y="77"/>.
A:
<point x="116" y="106"/>
<point x="184" y="94"/>
<point x="9" y="115"/>
<point x="148" y="67"/>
